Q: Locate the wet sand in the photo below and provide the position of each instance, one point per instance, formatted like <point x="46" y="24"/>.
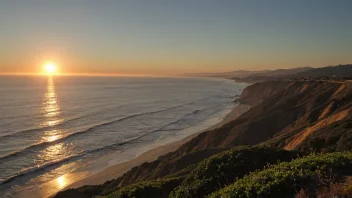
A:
<point x="118" y="170"/>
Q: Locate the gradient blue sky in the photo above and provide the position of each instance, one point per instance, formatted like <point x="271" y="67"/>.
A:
<point x="165" y="37"/>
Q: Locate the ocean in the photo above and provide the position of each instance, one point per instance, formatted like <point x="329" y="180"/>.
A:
<point x="51" y="126"/>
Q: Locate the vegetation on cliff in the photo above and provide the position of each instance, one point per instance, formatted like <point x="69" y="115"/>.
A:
<point x="224" y="168"/>
<point x="242" y="172"/>
<point x="287" y="178"/>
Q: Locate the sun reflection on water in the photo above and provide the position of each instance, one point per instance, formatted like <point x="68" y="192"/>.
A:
<point x="51" y="113"/>
<point x="52" y="132"/>
<point x="52" y="153"/>
<point x="61" y="181"/>
<point x="52" y="138"/>
<point x="51" y="108"/>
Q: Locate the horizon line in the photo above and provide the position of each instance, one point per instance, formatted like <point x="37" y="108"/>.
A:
<point x="164" y="74"/>
<point x="92" y="74"/>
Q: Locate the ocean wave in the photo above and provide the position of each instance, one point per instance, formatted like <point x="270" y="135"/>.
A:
<point x="40" y="129"/>
<point x="30" y="170"/>
<point x="65" y="122"/>
<point x="44" y="144"/>
<point x="56" y="163"/>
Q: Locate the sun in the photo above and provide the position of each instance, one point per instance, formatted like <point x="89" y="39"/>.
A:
<point x="50" y="68"/>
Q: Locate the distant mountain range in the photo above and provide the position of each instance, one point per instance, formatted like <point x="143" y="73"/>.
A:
<point x="265" y="75"/>
<point x="338" y="71"/>
<point x="245" y="73"/>
<point x="232" y="74"/>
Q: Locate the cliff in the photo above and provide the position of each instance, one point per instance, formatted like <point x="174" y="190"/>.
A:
<point x="302" y="115"/>
<point x="307" y="116"/>
<point x="258" y="92"/>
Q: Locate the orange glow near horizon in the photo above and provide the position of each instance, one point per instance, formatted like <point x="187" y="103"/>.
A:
<point x="81" y="74"/>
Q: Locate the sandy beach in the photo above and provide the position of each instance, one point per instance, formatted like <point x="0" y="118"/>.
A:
<point x="118" y="170"/>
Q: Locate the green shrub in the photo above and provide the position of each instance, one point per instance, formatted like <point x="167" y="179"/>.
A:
<point x="285" y="179"/>
<point x="224" y="168"/>
<point x="155" y="189"/>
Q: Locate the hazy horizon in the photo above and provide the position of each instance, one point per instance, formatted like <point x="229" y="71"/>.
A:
<point x="184" y="74"/>
<point x="171" y="38"/>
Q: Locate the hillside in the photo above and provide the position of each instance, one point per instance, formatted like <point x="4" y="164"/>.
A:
<point x="290" y="118"/>
<point x="306" y="116"/>
<point x="232" y="74"/>
<point x="338" y="71"/>
<point x="244" y="74"/>
<point x="304" y="72"/>
<point x="274" y="75"/>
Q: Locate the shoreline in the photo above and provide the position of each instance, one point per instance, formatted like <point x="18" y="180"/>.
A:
<point x="117" y="170"/>
<point x="108" y="169"/>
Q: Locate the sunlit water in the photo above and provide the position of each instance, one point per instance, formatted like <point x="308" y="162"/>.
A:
<point x="50" y="126"/>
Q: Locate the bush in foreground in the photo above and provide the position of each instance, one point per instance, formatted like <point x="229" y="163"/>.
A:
<point x="287" y="178"/>
<point x="224" y="168"/>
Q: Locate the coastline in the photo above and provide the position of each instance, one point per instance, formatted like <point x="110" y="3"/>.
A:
<point x="108" y="169"/>
<point x="117" y="170"/>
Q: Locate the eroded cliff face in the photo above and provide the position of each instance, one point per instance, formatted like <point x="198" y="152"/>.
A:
<point x="256" y="93"/>
<point x="299" y="115"/>
<point x="325" y="123"/>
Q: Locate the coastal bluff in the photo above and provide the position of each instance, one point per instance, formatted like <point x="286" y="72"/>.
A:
<point x="300" y="116"/>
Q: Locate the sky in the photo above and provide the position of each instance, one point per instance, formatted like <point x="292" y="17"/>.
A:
<point x="173" y="36"/>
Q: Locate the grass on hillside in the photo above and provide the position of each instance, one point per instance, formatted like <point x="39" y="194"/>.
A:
<point x="287" y="178"/>
<point x="245" y="172"/>
<point x="224" y="168"/>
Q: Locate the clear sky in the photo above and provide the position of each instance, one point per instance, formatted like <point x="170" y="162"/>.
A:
<point x="173" y="36"/>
